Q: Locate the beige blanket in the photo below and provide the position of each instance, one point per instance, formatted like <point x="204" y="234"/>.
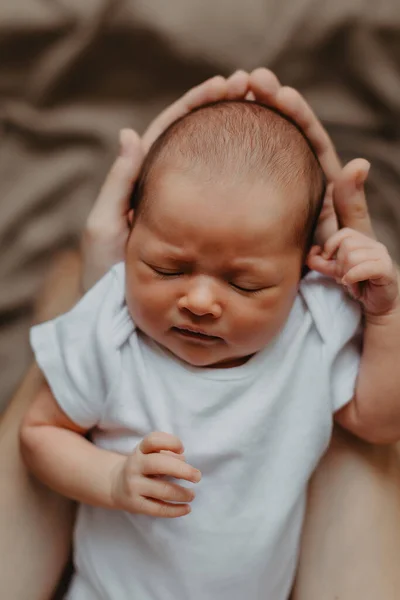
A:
<point x="73" y="72"/>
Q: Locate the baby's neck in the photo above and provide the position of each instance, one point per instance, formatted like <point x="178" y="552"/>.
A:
<point x="231" y="363"/>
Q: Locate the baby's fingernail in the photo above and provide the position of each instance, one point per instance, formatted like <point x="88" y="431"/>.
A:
<point x="196" y="476"/>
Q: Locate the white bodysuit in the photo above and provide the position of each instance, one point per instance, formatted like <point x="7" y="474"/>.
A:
<point x="256" y="432"/>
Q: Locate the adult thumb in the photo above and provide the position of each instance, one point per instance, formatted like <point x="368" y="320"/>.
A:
<point x="349" y="197"/>
<point x="112" y="203"/>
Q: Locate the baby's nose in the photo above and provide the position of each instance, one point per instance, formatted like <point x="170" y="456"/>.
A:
<point x="200" y="299"/>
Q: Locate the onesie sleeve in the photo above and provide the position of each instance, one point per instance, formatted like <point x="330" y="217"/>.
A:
<point x="76" y="354"/>
<point x="338" y="320"/>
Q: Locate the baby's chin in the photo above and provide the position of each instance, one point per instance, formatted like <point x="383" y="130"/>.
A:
<point x="209" y="360"/>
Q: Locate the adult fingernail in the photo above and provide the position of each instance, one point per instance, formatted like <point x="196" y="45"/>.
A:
<point x="236" y="73"/>
<point x="361" y="177"/>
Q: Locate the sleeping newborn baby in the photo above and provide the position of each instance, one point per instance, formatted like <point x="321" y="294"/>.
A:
<point x="206" y="370"/>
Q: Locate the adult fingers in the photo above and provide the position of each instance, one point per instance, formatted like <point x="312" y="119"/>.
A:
<point x="349" y="197"/>
<point x="268" y="90"/>
<point x="292" y="104"/>
<point x="112" y="203"/>
<point x="265" y="85"/>
<point x="327" y="222"/>
<point x="212" y="90"/>
<point x="237" y="85"/>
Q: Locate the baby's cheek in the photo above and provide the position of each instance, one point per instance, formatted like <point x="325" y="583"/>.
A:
<point x="249" y="323"/>
<point x="155" y="303"/>
<point x="264" y="321"/>
<point x="139" y="300"/>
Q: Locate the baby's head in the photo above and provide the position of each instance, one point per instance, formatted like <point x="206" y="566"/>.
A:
<point x="224" y="213"/>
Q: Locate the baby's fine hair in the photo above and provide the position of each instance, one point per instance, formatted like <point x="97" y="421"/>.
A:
<point x="240" y="140"/>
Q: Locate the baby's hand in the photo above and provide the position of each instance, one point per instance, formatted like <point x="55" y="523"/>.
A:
<point x="138" y="486"/>
<point x="363" y="266"/>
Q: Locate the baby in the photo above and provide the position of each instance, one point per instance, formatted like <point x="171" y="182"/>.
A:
<point x="208" y="367"/>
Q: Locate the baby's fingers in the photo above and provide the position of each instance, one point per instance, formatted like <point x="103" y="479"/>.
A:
<point x="158" y="440"/>
<point x="166" y="491"/>
<point x="157" y="508"/>
<point x="174" y="454"/>
<point x="369" y="270"/>
<point x="160" y="464"/>
<point x="346" y="239"/>
<point x="316" y="262"/>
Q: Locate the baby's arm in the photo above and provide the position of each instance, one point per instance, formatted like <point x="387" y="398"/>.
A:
<point x="365" y="268"/>
<point x="57" y="452"/>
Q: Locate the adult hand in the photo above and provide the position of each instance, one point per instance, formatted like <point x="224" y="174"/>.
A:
<point x="345" y="204"/>
<point x="107" y="230"/>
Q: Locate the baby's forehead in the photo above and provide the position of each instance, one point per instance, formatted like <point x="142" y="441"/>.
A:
<point x="242" y="207"/>
<point x="258" y="191"/>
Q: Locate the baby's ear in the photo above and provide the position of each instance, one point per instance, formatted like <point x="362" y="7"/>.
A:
<point x="130" y="218"/>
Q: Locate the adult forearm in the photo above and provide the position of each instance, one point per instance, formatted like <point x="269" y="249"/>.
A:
<point x="70" y="464"/>
<point x="35" y="523"/>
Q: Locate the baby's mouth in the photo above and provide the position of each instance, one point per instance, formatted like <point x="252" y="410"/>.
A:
<point x="195" y="334"/>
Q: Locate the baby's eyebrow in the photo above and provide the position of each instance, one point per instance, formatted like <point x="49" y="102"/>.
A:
<point x="249" y="264"/>
<point x="233" y="267"/>
<point x="176" y="258"/>
<point x="246" y="265"/>
<point x="168" y="255"/>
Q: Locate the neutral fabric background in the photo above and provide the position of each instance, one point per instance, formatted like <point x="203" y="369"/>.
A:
<point x="73" y="73"/>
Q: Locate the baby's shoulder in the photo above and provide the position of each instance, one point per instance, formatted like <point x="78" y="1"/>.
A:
<point x="114" y="316"/>
<point x="101" y="318"/>
<point x="332" y="309"/>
